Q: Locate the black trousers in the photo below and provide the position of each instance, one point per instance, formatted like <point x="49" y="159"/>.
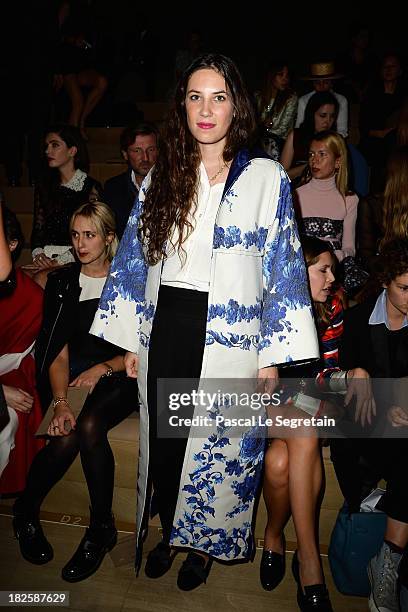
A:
<point x="361" y="463"/>
<point x="175" y="351"/>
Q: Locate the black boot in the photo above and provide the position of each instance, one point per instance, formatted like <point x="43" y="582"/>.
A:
<point x="99" y="538"/>
<point x="34" y="546"/>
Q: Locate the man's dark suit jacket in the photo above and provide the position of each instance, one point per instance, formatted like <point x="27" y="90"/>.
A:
<point x="120" y="194"/>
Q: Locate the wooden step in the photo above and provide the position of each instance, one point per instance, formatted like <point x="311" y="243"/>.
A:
<point x="104" y="135"/>
<point x="105" y="152"/>
<point x="19" y="199"/>
<point x="70" y="496"/>
<point x="153" y="111"/>
<point x="104" y="171"/>
<point x="3" y="176"/>
<point x="26" y="222"/>
<point x="25" y="257"/>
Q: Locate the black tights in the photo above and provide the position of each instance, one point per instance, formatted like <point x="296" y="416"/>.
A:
<point x="110" y="403"/>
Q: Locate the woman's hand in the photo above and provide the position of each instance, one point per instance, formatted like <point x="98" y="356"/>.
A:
<point x="397" y="416"/>
<point x="89" y="378"/>
<point x="131" y="364"/>
<point x="62" y="422"/>
<point x="268" y="379"/>
<point x="42" y="262"/>
<point x="359" y="385"/>
<point x="18" y="399"/>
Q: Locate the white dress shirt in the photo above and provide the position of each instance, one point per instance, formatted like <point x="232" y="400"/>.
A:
<point x="191" y="269"/>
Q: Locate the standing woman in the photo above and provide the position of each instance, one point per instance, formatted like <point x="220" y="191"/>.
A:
<point x="68" y="356"/>
<point x="64" y="187"/>
<point x="203" y="287"/>
<point x="277" y="106"/>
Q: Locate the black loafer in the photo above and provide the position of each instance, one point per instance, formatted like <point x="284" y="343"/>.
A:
<point x="193" y="572"/>
<point x="34" y="546"/>
<point x="313" y="598"/>
<point x="89" y="554"/>
<point x="159" y="560"/>
<point x="272" y="569"/>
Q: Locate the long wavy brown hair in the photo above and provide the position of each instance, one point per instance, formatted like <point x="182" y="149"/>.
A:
<point x="173" y="189"/>
<point x="281" y="97"/>
<point x="395" y="216"/>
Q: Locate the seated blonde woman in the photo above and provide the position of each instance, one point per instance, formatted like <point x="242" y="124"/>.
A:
<point x="68" y="356"/>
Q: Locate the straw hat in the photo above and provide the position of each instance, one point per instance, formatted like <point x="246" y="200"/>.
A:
<point x="322" y="71"/>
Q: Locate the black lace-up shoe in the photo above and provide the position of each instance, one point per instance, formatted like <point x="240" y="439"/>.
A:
<point x="90" y="553"/>
<point x="34" y="546"/>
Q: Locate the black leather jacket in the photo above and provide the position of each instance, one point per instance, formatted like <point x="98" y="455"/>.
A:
<point x="61" y="303"/>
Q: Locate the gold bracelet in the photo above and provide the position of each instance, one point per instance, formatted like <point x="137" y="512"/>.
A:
<point x="59" y="400"/>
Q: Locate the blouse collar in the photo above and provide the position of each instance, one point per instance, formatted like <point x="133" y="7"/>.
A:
<point x="76" y="183"/>
<point x="379" y="315"/>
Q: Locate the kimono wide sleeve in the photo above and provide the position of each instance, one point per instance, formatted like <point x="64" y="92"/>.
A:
<point x="117" y="319"/>
<point x="288" y="332"/>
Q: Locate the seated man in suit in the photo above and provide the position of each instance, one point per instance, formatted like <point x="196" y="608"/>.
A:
<point x="139" y="147"/>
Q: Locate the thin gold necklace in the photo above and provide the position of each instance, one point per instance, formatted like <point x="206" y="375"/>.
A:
<point x="224" y="165"/>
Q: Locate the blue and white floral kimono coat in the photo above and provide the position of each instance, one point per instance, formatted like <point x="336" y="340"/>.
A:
<point x="259" y="314"/>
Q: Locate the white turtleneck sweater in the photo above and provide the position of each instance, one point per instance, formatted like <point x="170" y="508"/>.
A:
<point x="321" y="198"/>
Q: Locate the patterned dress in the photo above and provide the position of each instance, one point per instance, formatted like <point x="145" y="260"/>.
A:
<point x="259" y="315"/>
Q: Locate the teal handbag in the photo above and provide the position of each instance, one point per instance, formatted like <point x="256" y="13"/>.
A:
<point x="355" y="539"/>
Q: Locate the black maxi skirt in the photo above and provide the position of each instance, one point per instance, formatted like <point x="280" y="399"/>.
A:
<point x="175" y="351"/>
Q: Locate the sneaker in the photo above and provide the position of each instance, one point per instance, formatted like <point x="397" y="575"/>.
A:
<point x="382" y="574"/>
